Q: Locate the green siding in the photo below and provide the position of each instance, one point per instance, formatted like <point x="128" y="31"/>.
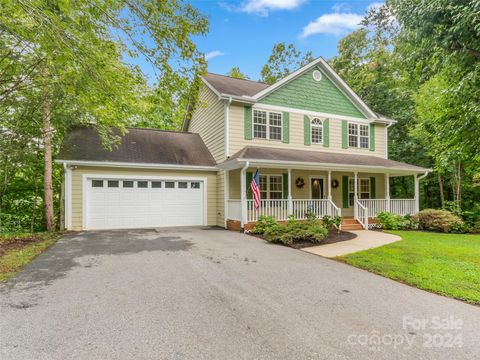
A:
<point x="306" y="130"/>
<point x="307" y="94"/>
<point x="372" y="137"/>
<point x="249" y="177"/>
<point x="326" y="133"/>
<point x="248" y="122"/>
<point x="373" y="188"/>
<point x="345" y="191"/>
<point x="285" y="185"/>
<point x="286" y="128"/>
<point x="344" y="134"/>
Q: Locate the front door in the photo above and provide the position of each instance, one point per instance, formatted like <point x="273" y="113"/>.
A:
<point x="316" y="186"/>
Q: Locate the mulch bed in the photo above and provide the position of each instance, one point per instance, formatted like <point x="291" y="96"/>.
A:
<point x="17" y="242"/>
<point x="332" y="237"/>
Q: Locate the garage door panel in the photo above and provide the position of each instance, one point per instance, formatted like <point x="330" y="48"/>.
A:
<point x="136" y="207"/>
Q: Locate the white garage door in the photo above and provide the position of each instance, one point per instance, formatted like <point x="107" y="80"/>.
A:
<point x="138" y="203"/>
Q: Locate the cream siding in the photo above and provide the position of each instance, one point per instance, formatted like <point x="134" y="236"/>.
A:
<point x="304" y="192"/>
<point x="208" y="121"/>
<point x="237" y="139"/>
<point x="220" y="218"/>
<point x="77" y="187"/>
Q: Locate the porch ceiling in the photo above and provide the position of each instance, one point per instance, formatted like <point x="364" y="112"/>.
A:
<point x="305" y="159"/>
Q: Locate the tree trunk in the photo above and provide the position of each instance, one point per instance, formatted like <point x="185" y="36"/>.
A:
<point x="440" y="187"/>
<point x="47" y="174"/>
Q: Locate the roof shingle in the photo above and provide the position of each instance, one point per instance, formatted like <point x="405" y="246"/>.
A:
<point x="147" y="146"/>
<point x="233" y="86"/>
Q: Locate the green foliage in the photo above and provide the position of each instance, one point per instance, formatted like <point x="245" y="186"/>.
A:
<point x="284" y="59"/>
<point x="390" y="221"/>
<point x="236" y="73"/>
<point x="440" y="220"/>
<point x="332" y="222"/>
<point x="293" y="231"/>
<point x="443" y="263"/>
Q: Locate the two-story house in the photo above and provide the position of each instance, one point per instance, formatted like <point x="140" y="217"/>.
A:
<point x="317" y="146"/>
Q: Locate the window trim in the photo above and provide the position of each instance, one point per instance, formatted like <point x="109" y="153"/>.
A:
<point x="268" y="176"/>
<point x="359" y="197"/>
<point x="317" y="126"/>
<point x="268" y="112"/>
<point x="358" y="125"/>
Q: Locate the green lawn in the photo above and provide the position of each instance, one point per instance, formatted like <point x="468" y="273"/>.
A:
<point x="14" y="258"/>
<point x="448" y="264"/>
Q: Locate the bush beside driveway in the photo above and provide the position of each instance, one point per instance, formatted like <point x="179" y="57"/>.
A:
<point x="448" y="264"/>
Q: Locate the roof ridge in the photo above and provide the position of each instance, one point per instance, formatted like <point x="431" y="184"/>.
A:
<point x="231" y="77"/>
<point x="162" y="130"/>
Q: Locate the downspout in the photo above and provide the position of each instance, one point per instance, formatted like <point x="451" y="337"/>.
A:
<point x="386" y="139"/>
<point x="417" y="190"/>
<point x="227" y="124"/>
<point x="243" y="195"/>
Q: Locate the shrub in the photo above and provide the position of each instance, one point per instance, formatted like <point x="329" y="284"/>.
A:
<point x="265" y="224"/>
<point x="390" y="221"/>
<point x="332" y="222"/>
<point x="293" y="231"/>
<point x="440" y="220"/>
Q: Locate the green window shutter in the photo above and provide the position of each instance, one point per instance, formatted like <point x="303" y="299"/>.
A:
<point x="345" y="191"/>
<point x="372" y="137"/>
<point x="286" y="127"/>
<point x="344" y="134"/>
<point x="326" y="133"/>
<point x="306" y="130"/>
<point x="285" y="186"/>
<point x="248" y="122"/>
<point x="373" y="188"/>
<point x="249" y="180"/>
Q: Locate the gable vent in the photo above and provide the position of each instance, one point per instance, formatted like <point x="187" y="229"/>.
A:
<point x="317" y="75"/>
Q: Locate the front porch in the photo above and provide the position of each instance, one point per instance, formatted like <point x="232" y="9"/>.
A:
<point x="287" y="191"/>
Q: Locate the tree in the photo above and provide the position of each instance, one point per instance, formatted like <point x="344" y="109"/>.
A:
<point x="283" y="60"/>
<point x="61" y="63"/>
<point x="236" y="73"/>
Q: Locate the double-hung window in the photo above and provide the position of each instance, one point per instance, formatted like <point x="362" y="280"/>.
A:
<point x="363" y="189"/>
<point x="316" y="130"/>
<point x="267" y="125"/>
<point x="358" y="136"/>
<point x="271" y="187"/>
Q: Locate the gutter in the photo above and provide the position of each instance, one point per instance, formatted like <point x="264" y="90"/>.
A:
<point x="386" y="139"/>
<point x="243" y="99"/>
<point x="135" y="165"/>
<point x="227" y="125"/>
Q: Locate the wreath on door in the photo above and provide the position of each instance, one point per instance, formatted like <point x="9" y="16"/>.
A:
<point x="334" y="183"/>
<point x="300" y="183"/>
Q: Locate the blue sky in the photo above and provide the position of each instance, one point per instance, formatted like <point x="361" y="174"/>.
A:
<point x="243" y="32"/>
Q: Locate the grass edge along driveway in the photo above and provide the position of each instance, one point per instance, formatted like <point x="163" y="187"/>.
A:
<point x="18" y="249"/>
<point x="447" y="264"/>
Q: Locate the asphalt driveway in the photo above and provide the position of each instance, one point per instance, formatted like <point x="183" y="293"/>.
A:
<point x="191" y="293"/>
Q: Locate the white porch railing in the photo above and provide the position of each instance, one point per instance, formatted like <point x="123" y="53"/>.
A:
<point x="234" y="210"/>
<point x="396" y="206"/>
<point x="403" y="206"/>
<point x="279" y="209"/>
<point x="361" y="214"/>
<point x="276" y="208"/>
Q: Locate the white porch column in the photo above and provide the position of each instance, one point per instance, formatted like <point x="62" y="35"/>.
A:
<point x="243" y="195"/>
<point x="290" y="202"/>
<point x="355" y="192"/>
<point x="417" y="193"/>
<point x="329" y="187"/>
<point x="387" y="191"/>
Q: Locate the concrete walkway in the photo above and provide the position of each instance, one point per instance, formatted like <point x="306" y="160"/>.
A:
<point x="364" y="240"/>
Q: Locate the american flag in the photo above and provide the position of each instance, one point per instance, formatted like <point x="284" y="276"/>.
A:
<point x="255" y="187"/>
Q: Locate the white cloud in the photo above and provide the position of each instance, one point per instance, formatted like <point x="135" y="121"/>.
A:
<point x="212" y="54"/>
<point x="263" y="7"/>
<point x="341" y="7"/>
<point x="334" y="24"/>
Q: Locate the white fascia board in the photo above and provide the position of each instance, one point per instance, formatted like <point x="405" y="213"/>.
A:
<point x="333" y="76"/>
<point x="237" y="163"/>
<point x="242" y="99"/>
<point x="210" y="86"/>
<point x="310" y="113"/>
<point x="136" y="165"/>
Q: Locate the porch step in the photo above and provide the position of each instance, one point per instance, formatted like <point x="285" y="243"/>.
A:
<point x="351" y="224"/>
